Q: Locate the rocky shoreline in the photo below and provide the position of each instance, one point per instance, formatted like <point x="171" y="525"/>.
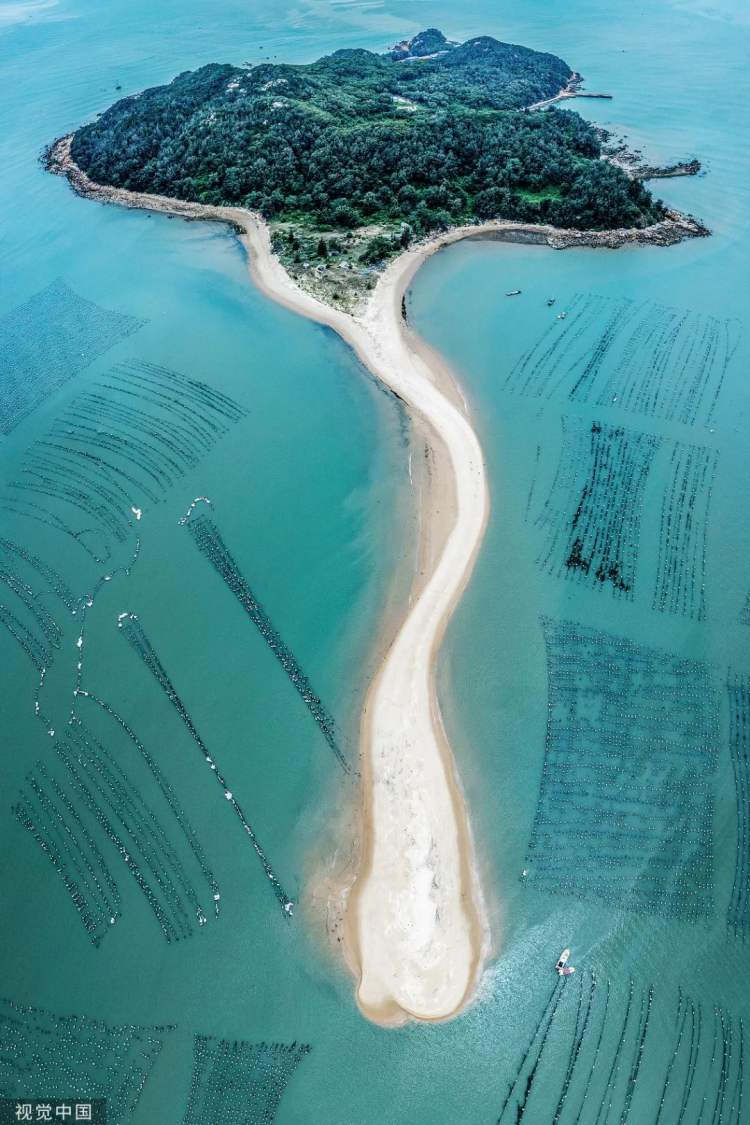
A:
<point x="632" y="162"/>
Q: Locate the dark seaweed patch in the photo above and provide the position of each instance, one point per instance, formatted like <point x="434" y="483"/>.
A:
<point x="591" y="518"/>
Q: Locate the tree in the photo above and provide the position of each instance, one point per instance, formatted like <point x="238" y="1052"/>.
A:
<point x="378" y="249"/>
<point x="343" y="214"/>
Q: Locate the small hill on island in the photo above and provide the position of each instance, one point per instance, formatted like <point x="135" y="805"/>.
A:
<point x="429" y="42"/>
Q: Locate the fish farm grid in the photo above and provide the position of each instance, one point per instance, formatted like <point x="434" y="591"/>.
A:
<point x="625" y="807"/>
<point x="238" y="1083"/>
<point x="46" y="341"/>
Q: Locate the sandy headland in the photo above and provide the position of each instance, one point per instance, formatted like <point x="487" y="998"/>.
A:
<point x="416" y="930"/>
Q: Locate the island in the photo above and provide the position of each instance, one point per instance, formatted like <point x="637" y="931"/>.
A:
<point x="342" y="176"/>
<point x="353" y="157"/>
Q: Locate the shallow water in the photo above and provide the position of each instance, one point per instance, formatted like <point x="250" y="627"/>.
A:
<point x="308" y="488"/>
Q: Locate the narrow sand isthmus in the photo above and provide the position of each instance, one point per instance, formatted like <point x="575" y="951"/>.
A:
<point x="415" y="927"/>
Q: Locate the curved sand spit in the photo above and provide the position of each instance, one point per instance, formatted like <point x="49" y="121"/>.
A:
<point x="415" y="929"/>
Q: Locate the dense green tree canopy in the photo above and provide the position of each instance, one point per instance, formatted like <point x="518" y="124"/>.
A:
<point x="358" y="138"/>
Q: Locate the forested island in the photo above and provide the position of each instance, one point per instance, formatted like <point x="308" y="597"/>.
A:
<point x="351" y="157"/>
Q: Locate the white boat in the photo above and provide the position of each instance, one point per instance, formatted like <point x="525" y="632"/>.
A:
<point x="562" y="960"/>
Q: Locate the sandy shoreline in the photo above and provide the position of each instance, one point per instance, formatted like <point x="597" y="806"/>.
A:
<point x="416" y="931"/>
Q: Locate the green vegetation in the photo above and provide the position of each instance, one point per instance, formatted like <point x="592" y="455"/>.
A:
<point x="431" y="135"/>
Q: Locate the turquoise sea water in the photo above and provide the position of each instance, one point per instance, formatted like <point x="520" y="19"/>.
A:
<point x="308" y="491"/>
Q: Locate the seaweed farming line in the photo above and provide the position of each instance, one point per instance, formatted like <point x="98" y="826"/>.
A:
<point x="692" y="1063"/>
<point x="606" y="1105"/>
<point x="229" y="1074"/>
<point x="519" y="1091"/>
<point x="124" y="442"/>
<point x="170" y="797"/>
<point x="113" y="798"/>
<point x="80" y="608"/>
<point x="590" y="1077"/>
<point x="208" y="540"/>
<point x="53" y="579"/>
<point x="29" y="510"/>
<point x="698" y="1093"/>
<point x="532" y="486"/>
<point x="134" y="633"/>
<point x="571" y="1048"/>
<point x="107" y="793"/>
<point x="85" y="605"/>
<point x="96" y="790"/>
<point x="738" y="913"/>
<point x="644" y="358"/>
<point x="46" y="341"/>
<point x="580" y="1034"/>
<point x="75" y="1053"/>
<point x="37" y="652"/>
<point x="681" y="1023"/>
<point x="635" y="1066"/>
<point x="43" y="619"/>
<point x="591" y="1046"/>
<point x="745" y="614"/>
<point x="88" y="800"/>
<point x="683" y="533"/>
<point x="720" y="1089"/>
<point x="626" y="792"/>
<point x="48" y="814"/>
<point x="167" y="791"/>
<point x="591" y="518"/>
<point x="40" y="635"/>
<point x="544" y="1019"/>
<point x="540" y="372"/>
